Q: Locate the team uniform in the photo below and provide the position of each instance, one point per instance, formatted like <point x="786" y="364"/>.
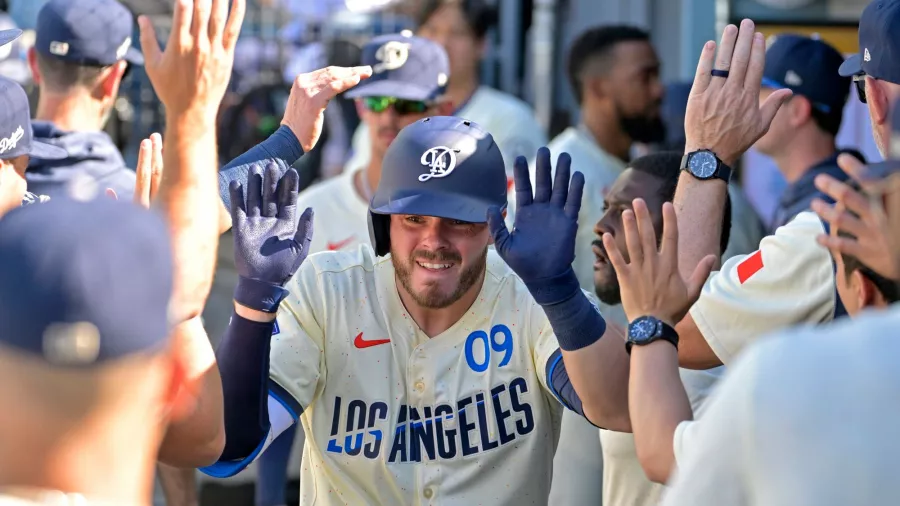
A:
<point x="510" y="121"/>
<point x="803" y="417"/>
<point x="392" y="416"/>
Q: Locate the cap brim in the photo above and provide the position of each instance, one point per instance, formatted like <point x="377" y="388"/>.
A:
<point x="771" y="83"/>
<point x="133" y="56"/>
<point x="852" y="66"/>
<point x="46" y="151"/>
<point x="7" y="36"/>
<point x="438" y="204"/>
<point x="385" y="88"/>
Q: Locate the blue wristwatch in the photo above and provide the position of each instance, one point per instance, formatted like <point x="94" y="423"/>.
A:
<point x="647" y="329"/>
<point x="704" y="164"/>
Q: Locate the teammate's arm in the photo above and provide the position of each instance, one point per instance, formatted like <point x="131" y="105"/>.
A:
<point x="591" y="363"/>
<point x="724" y="116"/>
<point x="300" y="127"/>
<point x="190" y="78"/>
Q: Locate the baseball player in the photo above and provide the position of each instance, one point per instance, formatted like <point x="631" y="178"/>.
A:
<point x="410" y="76"/>
<point x="789" y="280"/>
<point x="461" y="28"/>
<point x="85" y="354"/>
<point x="428" y="368"/>
<point x="18" y="146"/>
<point x="81" y="53"/>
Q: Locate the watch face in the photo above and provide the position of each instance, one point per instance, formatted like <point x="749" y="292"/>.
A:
<point x="703" y="164"/>
<point x="643" y="329"/>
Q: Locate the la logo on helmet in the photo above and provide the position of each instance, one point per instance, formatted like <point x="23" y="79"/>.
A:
<point x="392" y="55"/>
<point x="441" y="160"/>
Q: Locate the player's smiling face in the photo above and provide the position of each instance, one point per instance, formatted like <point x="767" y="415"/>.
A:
<point x="438" y="260"/>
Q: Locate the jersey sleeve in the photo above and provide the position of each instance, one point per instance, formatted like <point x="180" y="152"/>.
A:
<point x="296" y="364"/>
<point x="712" y="452"/>
<point x="789" y="280"/>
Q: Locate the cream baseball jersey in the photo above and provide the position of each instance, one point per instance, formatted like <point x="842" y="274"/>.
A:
<point x="510" y="121"/>
<point x="394" y="417"/>
<point x="804" y="417"/>
<point x="340" y="221"/>
<point x="789" y="280"/>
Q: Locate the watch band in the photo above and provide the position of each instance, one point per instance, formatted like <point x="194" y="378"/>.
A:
<point x="667" y="333"/>
<point x="723" y="171"/>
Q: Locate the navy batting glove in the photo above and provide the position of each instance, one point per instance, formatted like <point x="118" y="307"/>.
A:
<point x="270" y="240"/>
<point x="541" y="247"/>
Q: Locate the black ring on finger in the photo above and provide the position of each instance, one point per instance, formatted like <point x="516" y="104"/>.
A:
<point x="719" y="73"/>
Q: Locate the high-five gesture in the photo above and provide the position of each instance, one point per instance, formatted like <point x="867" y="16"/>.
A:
<point x="310" y="94"/>
<point x="194" y="70"/>
<point x="649" y="278"/>
<point x="723" y="112"/>
<point x="541" y="246"/>
<point x="270" y="239"/>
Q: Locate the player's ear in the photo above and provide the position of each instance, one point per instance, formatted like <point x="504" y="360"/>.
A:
<point x="32" y="63"/>
<point x="879" y="104"/>
<point x="863" y="289"/>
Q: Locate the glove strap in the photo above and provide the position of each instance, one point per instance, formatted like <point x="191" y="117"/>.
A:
<point x="554" y="290"/>
<point x="259" y="295"/>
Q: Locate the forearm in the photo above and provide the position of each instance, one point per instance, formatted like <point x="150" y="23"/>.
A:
<point x="189" y="200"/>
<point x="594" y="359"/>
<point x="599" y="374"/>
<point x="699" y="206"/>
<point x="243" y="357"/>
<point x="658" y="403"/>
<point x="179" y="485"/>
<point x="198" y="439"/>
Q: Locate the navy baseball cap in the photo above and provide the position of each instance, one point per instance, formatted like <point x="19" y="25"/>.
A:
<point x="84" y="283"/>
<point x="403" y="66"/>
<point x="7" y="36"/>
<point x="16" y="136"/>
<point x="879" y="46"/>
<point x="87" y="32"/>
<point x="808" y="67"/>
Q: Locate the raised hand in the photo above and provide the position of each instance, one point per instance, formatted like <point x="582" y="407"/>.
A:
<point x="541" y="247"/>
<point x="650" y="282"/>
<point x="149" y="170"/>
<point x="723" y="113"/>
<point x="310" y="94"/>
<point x="193" y="72"/>
<point x="270" y="239"/>
<point x="863" y="214"/>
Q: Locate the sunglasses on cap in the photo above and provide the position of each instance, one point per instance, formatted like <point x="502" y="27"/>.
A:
<point x="401" y="106"/>
<point x="859" y="81"/>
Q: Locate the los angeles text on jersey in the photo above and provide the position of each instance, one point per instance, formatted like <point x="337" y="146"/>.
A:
<point x="477" y="423"/>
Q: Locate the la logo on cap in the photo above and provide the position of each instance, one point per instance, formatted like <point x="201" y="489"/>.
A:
<point x="792" y="79"/>
<point x="866" y="55"/>
<point x="441" y="160"/>
<point x="392" y="55"/>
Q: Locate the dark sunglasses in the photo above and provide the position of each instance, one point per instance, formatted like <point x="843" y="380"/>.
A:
<point x="860" y="82"/>
<point x="401" y="106"/>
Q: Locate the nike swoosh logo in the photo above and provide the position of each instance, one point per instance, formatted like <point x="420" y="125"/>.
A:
<point x="361" y="343"/>
<point x="340" y="244"/>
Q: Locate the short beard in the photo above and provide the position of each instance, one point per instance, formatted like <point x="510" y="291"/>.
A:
<point x="609" y="293"/>
<point x="641" y="127"/>
<point x="431" y="298"/>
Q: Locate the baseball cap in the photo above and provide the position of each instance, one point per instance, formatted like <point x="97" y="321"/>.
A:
<point x="403" y="66"/>
<point x="879" y="46"/>
<point x="84" y="283"/>
<point x="16" y="136"/>
<point x="7" y="36"/>
<point x="808" y="67"/>
<point x="87" y="32"/>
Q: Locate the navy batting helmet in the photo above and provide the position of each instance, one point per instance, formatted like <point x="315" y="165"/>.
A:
<point x="441" y="166"/>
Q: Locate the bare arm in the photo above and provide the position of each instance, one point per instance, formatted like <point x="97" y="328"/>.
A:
<point x="197" y="439"/>
<point x="723" y="115"/>
<point x="599" y="372"/>
<point x="190" y="78"/>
